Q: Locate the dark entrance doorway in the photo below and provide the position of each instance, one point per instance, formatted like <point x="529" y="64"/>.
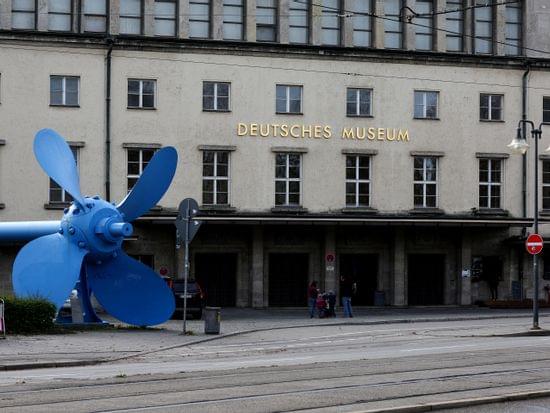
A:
<point x="363" y="270"/>
<point x="217" y="276"/>
<point x="426" y="279"/>
<point x="288" y="277"/>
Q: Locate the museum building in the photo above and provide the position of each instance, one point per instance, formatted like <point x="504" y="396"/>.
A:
<point x="321" y="138"/>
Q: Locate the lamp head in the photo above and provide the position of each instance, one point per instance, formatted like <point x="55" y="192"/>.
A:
<point x="519" y="144"/>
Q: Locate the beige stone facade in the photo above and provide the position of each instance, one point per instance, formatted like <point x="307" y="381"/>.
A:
<point x="251" y="251"/>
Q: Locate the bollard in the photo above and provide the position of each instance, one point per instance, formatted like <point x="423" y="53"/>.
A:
<point x="2" y="322"/>
<point x="212" y="320"/>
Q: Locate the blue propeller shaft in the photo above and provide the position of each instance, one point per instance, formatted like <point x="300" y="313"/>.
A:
<point x="26" y="231"/>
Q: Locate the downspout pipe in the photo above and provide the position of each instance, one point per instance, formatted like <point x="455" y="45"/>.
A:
<point x="524" y="85"/>
<point x="108" y="60"/>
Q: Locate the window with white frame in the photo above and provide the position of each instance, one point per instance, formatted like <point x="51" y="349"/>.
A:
<point x="266" y="20"/>
<point x="165" y="17"/>
<point x="60" y="13"/>
<point x="425" y="104"/>
<point x="358" y="180"/>
<point x="131" y="16"/>
<point x="289" y="99"/>
<point x="215" y="178"/>
<point x="546" y="184"/>
<point x="57" y="194"/>
<point x="200" y="12"/>
<point x="490" y="183"/>
<point x="141" y="93"/>
<point x="359" y="102"/>
<point x="425" y="182"/>
<point x="490" y="107"/>
<point x="514" y="28"/>
<point x="23" y="14"/>
<point x="425" y="25"/>
<point x="331" y="22"/>
<point x="393" y="26"/>
<point x="483" y="26"/>
<point x="546" y="109"/>
<point x="362" y="22"/>
<point x="287" y="179"/>
<point x="215" y="96"/>
<point x="64" y="90"/>
<point x="233" y="19"/>
<point x="94" y="16"/>
<point x="138" y="159"/>
<point x="298" y="21"/>
<point x="455" y="25"/>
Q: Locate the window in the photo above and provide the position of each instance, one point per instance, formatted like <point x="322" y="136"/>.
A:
<point x="490" y="177"/>
<point x="298" y="22"/>
<point x="546" y="109"/>
<point x="215" y="178"/>
<point x="289" y="99"/>
<point x="546" y="184"/>
<point x="131" y="12"/>
<point x="393" y="27"/>
<point x="23" y="14"/>
<point x="199" y="18"/>
<point x="266" y="20"/>
<point x="331" y="22"/>
<point x="425" y="182"/>
<point x="287" y="179"/>
<point x="233" y="19"/>
<point x="483" y="27"/>
<point x="513" y="29"/>
<point x="57" y="194"/>
<point x="64" y="90"/>
<point x="357" y="181"/>
<point x="60" y="13"/>
<point x="425" y="29"/>
<point x="455" y="26"/>
<point x="362" y="22"/>
<point x="138" y="159"/>
<point x="490" y="107"/>
<point x="165" y="17"/>
<point x="215" y="96"/>
<point x="359" y="102"/>
<point x="425" y="104"/>
<point x="95" y="16"/>
<point x="141" y="93"/>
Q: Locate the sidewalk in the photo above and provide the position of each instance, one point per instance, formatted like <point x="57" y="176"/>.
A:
<point x="97" y="346"/>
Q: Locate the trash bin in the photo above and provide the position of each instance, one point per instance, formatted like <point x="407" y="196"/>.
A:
<point x="212" y="320"/>
<point x="379" y="298"/>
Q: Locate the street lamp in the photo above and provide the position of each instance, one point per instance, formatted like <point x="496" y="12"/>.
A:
<point x="519" y="145"/>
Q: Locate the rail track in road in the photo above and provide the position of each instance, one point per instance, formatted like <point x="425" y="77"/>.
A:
<point x="346" y="385"/>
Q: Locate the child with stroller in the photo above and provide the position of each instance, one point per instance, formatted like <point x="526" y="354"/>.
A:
<point x="325" y="304"/>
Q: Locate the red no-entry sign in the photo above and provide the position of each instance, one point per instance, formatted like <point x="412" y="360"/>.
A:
<point x="534" y="244"/>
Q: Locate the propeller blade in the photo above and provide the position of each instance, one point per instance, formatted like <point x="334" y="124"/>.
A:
<point x="130" y="291"/>
<point x="151" y="185"/>
<point x="57" y="160"/>
<point x="47" y="267"/>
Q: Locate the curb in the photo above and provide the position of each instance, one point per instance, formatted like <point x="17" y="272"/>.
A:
<point x="77" y="363"/>
<point x="453" y="404"/>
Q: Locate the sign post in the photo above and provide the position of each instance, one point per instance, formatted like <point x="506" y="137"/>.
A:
<point x="187" y="228"/>
<point x="2" y="322"/>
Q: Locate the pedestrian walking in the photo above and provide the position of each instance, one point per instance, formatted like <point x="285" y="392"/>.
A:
<point x="312" y="293"/>
<point x="346" y="291"/>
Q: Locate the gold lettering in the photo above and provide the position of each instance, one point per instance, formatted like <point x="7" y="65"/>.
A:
<point x="308" y="130"/>
<point x="327" y="132"/>
<point x="253" y="129"/>
<point x="371" y="134"/>
<point x="391" y="136"/>
<point x="284" y="131"/>
<point x="242" y="129"/>
<point x="318" y="131"/>
<point x="360" y="133"/>
<point x="347" y="133"/>
<point x="403" y="135"/>
<point x="294" y="135"/>
<point x="262" y="132"/>
<point x="275" y="127"/>
<point x="381" y="134"/>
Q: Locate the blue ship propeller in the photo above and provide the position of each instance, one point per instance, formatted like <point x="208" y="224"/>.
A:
<point x="87" y="244"/>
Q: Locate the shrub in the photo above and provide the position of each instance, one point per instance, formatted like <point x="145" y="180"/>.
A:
<point x="28" y="315"/>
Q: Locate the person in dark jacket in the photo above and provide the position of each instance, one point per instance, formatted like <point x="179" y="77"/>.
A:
<point x="312" y="293"/>
<point x="346" y="291"/>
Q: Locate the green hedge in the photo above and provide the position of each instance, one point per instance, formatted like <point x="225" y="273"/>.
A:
<point x="28" y="315"/>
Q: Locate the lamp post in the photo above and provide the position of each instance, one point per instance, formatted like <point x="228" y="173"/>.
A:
<point x="519" y="145"/>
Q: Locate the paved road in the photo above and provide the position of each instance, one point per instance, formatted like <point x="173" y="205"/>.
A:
<point x="313" y="369"/>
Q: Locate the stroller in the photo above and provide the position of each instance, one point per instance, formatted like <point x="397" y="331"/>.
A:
<point x="325" y="304"/>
